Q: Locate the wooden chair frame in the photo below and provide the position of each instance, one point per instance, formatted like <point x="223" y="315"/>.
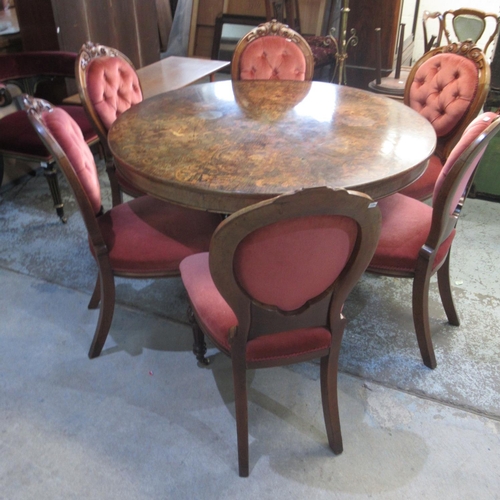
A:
<point x="444" y="221"/>
<point x="272" y="28"/>
<point x="449" y="17"/>
<point x="466" y="49"/>
<point x="434" y="40"/>
<point x="256" y="319"/>
<point x="88" y="52"/>
<point x="104" y="291"/>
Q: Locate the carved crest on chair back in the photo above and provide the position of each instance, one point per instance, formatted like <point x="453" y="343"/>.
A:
<point x="36" y="106"/>
<point x="467" y="49"/>
<point x="274" y="28"/>
<point x="91" y="50"/>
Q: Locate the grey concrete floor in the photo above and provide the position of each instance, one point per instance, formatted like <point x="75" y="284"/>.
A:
<point x="144" y="422"/>
<point x="155" y="426"/>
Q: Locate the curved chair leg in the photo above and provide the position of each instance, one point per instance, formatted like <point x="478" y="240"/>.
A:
<point x="199" y="345"/>
<point x="116" y="192"/>
<point x="443" y="275"/>
<point x="421" y="318"/>
<point x="50" y="174"/>
<point x="107" y="286"/>
<point x="1" y="169"/>
<point x="96" y="295"/>
<point x="329" y="394"/>
<point x="241" y="410"/>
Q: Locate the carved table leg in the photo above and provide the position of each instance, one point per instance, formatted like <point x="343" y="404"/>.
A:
<point x="51" y="175"/>
<point x="199" y="345"/>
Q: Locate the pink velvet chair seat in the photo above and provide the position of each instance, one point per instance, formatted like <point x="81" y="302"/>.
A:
<point x="272" y="58"/>
<point x="17" y="135"/>
<point x="218" y="318"/>
<point x="149" y="235"/>
<point x="406" y="223"/>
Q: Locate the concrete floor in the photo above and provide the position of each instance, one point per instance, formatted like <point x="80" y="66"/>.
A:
<point x="144" y="422"/>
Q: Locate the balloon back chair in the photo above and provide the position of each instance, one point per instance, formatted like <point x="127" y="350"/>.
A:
<point x="448" y="86"/>
<point x="272" y="51"/>
<point x="143" y="238"/>
<point x="41" y="74"/>
<point x="470" y="24"/>
<point x="460" y="25"/>
<point x="108" y="85"/>
<point x="271" y="290"/>
<point x="416" y="239"/>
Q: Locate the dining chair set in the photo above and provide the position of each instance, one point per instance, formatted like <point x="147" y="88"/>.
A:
<point x="262" y="283"/>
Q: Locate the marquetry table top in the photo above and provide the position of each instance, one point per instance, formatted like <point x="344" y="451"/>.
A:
<point x="225" y="145"/>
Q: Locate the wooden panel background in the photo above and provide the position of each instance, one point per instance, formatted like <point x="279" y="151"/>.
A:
<point x="37" y="25"/>
<point x="128" y="25"/>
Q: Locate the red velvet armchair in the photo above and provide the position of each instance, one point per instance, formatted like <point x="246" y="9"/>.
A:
<point x="416" y="239"/>
<point x="271" y="290"/>
<point x="448" y="86"/>
<point x="39" y="74"/>
<point x="144" y="238"/>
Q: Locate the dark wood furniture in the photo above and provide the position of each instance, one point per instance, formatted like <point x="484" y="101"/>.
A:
<point x="270" y="294"/>
<point x="128" y="25"/>
<point x="367" y="15"/>
<point x="225" y="145"/>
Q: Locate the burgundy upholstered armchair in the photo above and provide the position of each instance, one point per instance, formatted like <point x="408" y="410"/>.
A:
<point x="272" y="51"/>
<point x="448" y="86"/>
<point x="271" y="290"/>
<point x="108" y="85"/>
<point x="144" y="238"/>
<point x="40" y="74"/>
<point x="416" y="239"/>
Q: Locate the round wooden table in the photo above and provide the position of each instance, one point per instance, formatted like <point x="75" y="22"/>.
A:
<point x="225" y="145"/>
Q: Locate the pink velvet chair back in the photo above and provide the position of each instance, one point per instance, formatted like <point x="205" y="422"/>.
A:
<point x="272" y="51"/>
<point x="64" y="139"/>
<point x="463" y="161"/>
<point x="449" y="86"/>
<point x="443" y="89"/>
<point x="108" y="84"/>
<point x="287" y="264"/>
